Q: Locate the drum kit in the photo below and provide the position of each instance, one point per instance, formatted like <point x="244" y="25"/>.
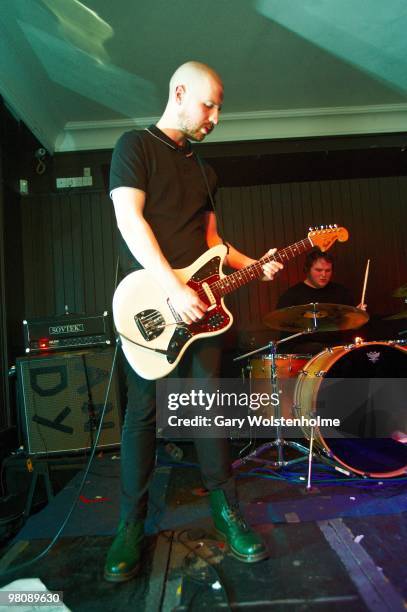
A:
<point x="401" y="292"/>
<point x="371" y="439"/>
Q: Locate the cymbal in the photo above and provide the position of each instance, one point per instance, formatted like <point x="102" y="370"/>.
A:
<point x="316" y="317"/>
<point x="401" y="291"/>
<point x="399" y="315"/>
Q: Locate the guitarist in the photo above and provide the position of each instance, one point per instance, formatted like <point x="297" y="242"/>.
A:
<point x="166" y="220"/>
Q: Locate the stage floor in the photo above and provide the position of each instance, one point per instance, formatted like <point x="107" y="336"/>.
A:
<point x="342" y="544"/>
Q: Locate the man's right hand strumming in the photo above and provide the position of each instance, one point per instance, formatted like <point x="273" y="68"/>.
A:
<point x="187" y="303"/>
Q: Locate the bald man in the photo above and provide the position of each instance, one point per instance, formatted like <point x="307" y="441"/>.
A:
<point x="163" y="201"/>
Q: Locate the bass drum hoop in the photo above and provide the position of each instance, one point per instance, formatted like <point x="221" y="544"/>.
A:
<point x="306" y="393"/>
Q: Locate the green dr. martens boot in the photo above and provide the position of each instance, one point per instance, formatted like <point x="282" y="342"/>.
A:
<point x="123" y="558"/>
<point x="244" y="543"/>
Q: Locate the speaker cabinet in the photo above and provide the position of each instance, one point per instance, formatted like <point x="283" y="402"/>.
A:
<point x="61" y="398"/>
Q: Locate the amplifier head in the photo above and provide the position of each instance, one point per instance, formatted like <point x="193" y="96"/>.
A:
<point x="67" y="331"/>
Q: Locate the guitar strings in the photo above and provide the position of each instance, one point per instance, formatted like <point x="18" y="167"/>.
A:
<point x="218" y="285"/>
<point x="228" y="279"/>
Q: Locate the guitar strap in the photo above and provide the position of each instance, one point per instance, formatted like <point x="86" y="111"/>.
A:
<point x="201" y="166"/>
<point x="211" y="198"/>
<point x="116" y="276"/>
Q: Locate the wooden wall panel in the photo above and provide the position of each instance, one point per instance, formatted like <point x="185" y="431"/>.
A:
<point x="373" y="210"/>
<point x="5" y="416"/>
<point x="70" y="242"/>
<point x="69" y="253"/>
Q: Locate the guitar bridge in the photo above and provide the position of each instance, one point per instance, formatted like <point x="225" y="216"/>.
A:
<point x="150" y="324"/>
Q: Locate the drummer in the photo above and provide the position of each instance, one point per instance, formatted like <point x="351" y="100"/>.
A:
<point x="317" y="286"/>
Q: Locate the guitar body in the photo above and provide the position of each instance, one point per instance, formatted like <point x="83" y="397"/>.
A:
<point x="153" y="336"/>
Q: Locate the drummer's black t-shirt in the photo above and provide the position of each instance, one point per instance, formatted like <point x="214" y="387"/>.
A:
<point x="299" y="294"/>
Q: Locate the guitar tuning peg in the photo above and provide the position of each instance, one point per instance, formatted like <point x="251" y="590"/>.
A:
<point x="310" y="229"/>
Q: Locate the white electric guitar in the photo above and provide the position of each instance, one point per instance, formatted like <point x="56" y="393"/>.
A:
<point x="153" y="335"/>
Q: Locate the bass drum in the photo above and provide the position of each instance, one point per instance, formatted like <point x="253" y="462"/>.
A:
<point x="365" y="387"/>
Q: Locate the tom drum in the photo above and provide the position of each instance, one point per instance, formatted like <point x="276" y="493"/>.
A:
<point x="287" y="367"/>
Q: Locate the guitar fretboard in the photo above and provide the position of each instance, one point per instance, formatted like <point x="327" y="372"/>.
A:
<point x="245" y="275"/>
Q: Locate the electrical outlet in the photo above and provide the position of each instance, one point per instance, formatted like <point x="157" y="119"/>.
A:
<point x="23" y="186"/>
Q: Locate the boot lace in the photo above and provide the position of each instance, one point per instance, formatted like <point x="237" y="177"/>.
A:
<point x="233" y="514"/>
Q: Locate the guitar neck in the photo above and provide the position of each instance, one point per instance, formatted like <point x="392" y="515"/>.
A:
<point x="245" y="275"/>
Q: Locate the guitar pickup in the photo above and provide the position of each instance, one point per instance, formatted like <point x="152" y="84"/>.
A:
<point x="209" y="295"/>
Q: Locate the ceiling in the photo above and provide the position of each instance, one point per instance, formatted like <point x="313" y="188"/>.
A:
<point x="80" y="72"/>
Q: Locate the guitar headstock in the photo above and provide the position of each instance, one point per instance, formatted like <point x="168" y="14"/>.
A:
<point x="326" y="235"/>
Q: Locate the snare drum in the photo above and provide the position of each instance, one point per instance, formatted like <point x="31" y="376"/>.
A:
<point x="287" y="366"/>
<point x="340" y="382"/>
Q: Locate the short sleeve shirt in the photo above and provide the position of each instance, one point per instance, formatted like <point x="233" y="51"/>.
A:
<point x="332" y="293"/>
<point x="176" y="193"/>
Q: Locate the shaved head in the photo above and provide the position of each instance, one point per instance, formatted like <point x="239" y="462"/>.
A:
<point x="194" y="102"/>
<point x="192" y="73"/>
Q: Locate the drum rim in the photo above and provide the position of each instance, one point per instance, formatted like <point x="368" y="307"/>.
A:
<point x="283" y="356"/>
<point x="304" y="376"/>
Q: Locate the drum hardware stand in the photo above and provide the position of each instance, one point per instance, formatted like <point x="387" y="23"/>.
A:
<point x="279" y="442"/>
<point x="323" y="456"/>
<point x="311" y="443"/>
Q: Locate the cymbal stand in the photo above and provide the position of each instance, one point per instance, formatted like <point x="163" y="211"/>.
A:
<point x="311" y="443"/>
<point x="279" y="443"/>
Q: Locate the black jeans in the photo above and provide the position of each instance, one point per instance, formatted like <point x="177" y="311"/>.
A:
<point x="201" y="360"/>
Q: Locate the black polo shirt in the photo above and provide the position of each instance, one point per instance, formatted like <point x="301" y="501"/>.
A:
<point x="176" y="193"/>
